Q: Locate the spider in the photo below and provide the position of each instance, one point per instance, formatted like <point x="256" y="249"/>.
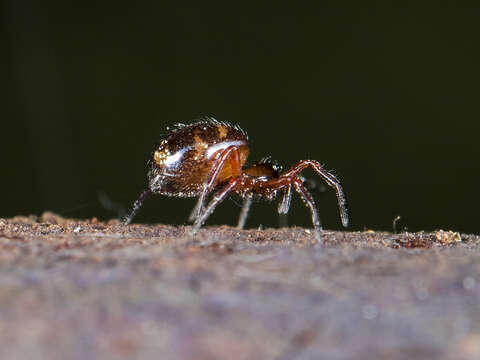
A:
<point x="208" y="155"/>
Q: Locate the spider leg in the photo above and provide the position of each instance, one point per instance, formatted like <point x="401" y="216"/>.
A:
<point x="196" y="210"/>
<point x="310" y="203"/>
<point x="136" y="206"/>
<point x="244" y="213"/>
<point x="330" y="179"/>
<point x="230" y="152"/>
<point x="217" y="198"/>
<point x="284" y="204"/>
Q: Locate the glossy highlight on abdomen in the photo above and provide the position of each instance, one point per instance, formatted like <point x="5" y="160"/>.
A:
<point x="184" y="158"/>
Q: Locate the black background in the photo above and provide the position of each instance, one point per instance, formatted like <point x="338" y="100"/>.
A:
<point x="386" y="96"/>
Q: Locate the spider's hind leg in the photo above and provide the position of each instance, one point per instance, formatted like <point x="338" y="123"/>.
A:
<point x="217" y="198"/>
<point x="197" y="209"/>
<point x="230" y="153"/>
<point x="136" y="206"/>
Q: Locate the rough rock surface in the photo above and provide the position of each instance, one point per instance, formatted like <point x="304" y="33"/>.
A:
<point x="76" y="289"/>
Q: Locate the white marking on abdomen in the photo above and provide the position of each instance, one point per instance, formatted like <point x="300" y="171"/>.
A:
<point x="223" y="145"/>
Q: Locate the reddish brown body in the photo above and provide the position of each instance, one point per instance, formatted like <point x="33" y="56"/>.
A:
<point x="195" y="159"/>
<point x="182" y="161"/>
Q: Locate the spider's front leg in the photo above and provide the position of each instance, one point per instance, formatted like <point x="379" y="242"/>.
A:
<point x="330" y="179"/>
<point x="285" y="183"/>
<point x="310" y="203"/>
<point x="284" y="204"/>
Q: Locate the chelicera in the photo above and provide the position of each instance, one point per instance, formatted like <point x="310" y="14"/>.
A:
<point x="208" y="155"/>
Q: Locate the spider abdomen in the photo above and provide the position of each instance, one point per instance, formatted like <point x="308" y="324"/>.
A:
<point x="182" y="161"/>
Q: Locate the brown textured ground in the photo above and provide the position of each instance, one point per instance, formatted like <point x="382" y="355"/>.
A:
<point x="74" y="289"/>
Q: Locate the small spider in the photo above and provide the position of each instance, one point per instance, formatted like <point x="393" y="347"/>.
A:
<point x="198" y="158"/>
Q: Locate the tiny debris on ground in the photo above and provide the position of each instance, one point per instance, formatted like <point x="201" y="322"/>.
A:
<point x="87" y="289"/>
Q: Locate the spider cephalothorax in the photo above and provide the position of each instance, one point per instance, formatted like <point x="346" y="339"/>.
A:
<point x="209" y="155"/>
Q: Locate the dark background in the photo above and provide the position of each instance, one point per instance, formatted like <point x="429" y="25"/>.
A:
<point x="386" y="96"/>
